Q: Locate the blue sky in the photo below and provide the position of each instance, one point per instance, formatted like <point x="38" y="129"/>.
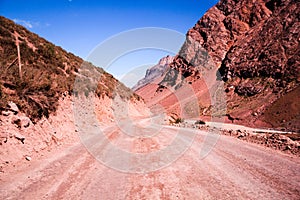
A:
<point x="80" y="25"/>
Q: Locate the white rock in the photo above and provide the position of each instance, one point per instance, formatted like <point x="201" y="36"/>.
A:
<point x="25" y="121"/>
<point x="20" y="137"/>
<point x="13" y="107"/>
<point x="6" y="113"/>
<point x="28" y="158"/>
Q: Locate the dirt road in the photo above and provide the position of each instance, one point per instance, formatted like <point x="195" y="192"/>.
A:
<point x="233" y="169"/>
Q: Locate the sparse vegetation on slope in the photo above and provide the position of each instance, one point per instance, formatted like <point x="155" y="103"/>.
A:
<point x="48" y="71"/>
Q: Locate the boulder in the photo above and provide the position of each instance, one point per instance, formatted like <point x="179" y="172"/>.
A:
<point x="28" y="158"/>
<point x="20" y="137"/>
<point x="6" y="113"/>
<point x="13" y="107"/>
<point x="25" y="122"/>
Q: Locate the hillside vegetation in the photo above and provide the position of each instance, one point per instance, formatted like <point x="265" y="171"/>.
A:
<point x="48" y="72"/>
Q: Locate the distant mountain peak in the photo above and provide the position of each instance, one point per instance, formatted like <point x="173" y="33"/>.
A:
<point x="154" y="72"/>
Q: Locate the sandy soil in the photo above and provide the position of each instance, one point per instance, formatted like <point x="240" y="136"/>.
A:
<point x="233" y="169"/>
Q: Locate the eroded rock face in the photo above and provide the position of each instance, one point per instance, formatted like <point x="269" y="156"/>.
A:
<point x="270" y="49"/>
<point x="221" y="27"/>
<point x="216" y="33"/>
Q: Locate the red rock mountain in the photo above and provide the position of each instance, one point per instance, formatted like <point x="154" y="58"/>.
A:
<point x="253" y="47"/>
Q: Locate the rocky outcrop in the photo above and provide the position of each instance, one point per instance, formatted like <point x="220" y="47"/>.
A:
<point x="219" y="28"/>
<point x="270" y="49"/>
<point x="217" y="31"/>
<point x="208" y="42"/>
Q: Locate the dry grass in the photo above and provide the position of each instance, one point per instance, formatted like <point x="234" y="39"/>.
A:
<point x="48" y="72"/>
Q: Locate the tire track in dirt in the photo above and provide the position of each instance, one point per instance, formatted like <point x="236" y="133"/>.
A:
<point x="234" y="169"/>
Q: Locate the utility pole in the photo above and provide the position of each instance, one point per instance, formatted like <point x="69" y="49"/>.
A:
<point x="19" y="55"/>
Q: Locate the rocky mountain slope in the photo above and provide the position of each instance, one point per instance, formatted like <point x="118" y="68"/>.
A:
<point x="37" y="102"/>
<point x="154" y="72"/>
<point x="253" y="47"/>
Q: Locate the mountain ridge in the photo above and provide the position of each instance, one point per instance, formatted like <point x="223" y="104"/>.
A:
<point x="152" y="73"/>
